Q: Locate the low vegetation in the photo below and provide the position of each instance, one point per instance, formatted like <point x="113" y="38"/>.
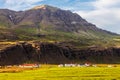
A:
<point x="63" y="73"/>
<point x="81" y="39"/>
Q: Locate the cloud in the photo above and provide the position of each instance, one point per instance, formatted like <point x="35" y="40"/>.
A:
<point x="27" y="4"/>
<point x="102" y="4"/>
<point x="20" y="4"/>
<point x="106" y="14"/>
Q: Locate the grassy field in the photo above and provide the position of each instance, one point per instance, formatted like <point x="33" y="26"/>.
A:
<point x="63" y="73"/>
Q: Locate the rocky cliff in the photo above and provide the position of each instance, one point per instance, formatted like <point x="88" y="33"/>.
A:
<point x="56" y="53"/>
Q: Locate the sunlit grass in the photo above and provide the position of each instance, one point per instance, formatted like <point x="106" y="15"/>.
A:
<point x="65" y="73"/>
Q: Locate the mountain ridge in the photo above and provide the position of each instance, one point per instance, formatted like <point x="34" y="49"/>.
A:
<point x="11" y="15"/>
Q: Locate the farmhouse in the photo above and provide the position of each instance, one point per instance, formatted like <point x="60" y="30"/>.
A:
<point x="29" y="66"/>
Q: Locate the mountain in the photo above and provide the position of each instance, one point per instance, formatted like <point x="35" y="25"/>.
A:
<point x="50" y="35"/>
<point x="51" y="24"/>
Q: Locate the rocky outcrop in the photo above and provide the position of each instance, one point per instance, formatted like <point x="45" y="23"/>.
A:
<point x="56" y="53"/>
<point x="16" y="54"/>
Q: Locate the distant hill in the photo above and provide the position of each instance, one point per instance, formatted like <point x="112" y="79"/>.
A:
<point x="51" y="24"/>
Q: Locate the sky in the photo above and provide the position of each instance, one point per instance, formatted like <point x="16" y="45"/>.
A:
<point x="104" y="14"/>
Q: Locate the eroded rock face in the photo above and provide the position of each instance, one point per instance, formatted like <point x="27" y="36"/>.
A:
<point x="56" y="53"/>
<point x="27" y="53"/>
<point x="16" y="54"/>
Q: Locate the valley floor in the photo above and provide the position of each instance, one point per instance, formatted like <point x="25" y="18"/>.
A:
<point x="54" y="72"/>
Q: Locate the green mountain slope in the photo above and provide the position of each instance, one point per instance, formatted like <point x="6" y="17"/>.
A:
<point x="47" y="23"/>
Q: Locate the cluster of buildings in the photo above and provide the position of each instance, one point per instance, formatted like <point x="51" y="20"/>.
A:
<point x="77" y="65"/>
<point x="60" y="65"/>
<point x="22" y="66"/>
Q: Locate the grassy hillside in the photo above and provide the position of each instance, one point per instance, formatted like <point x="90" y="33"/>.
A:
<point x="82" y="38"/>
<point x="88" y="38"/>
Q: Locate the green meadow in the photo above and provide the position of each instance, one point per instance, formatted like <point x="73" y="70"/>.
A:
<point x="64" y="73"/>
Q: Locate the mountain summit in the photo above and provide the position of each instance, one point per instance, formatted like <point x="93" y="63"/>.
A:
<point x="45" y="7"/>
<point x="41" y="7"/>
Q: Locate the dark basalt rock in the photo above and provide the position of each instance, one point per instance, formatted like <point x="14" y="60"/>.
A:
<point x="56" y="53"/>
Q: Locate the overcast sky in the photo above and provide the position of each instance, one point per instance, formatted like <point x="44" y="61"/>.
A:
<point x="103" y="13"/>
